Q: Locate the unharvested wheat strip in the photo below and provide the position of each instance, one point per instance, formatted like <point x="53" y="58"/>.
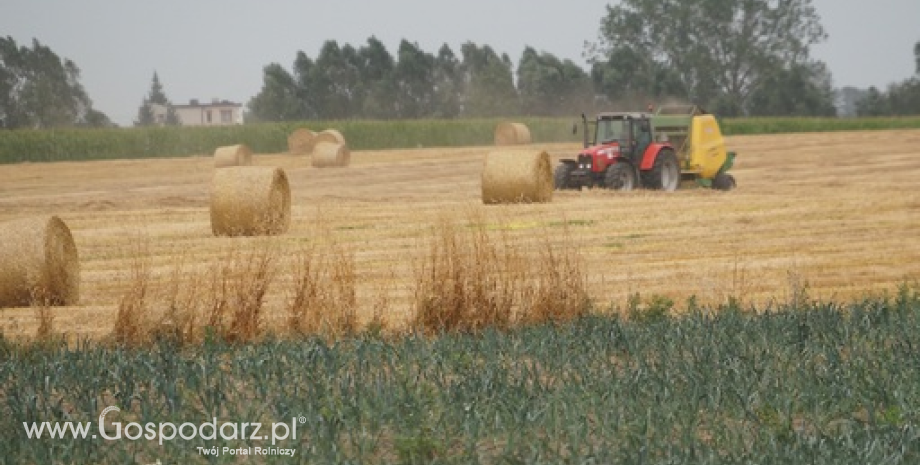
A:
<point x="518" y="176"/>
<point x="507" y="133"/>
<point x="232" y="155"/>
<point x="330" y="135"/>
<point x="329" y="154"/>
<point x="38" y="260"/>
<point x="301" y="142"/>
<point x="250" y="201"/>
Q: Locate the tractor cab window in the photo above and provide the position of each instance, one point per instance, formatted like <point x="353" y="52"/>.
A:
<point x="610" y="130"/>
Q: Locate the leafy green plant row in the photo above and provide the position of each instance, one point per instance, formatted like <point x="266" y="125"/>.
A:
<point x="132" y="143"/>
<point x="817" y="383"/>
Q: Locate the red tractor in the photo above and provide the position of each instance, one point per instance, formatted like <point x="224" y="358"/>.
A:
<point x="625" y="155"/>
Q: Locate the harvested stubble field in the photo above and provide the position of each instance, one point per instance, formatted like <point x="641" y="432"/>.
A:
<point x="831" y="215"/>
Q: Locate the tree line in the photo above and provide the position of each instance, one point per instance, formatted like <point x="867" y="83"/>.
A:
<point x="901" y="98"/>
<point x="368" y="82"/>
<point x="733" y="57"/>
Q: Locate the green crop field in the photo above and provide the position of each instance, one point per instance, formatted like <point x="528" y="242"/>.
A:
<point x="131" y="143"/>
<point x="819" y="384"/>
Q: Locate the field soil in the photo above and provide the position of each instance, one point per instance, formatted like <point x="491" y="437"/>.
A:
<point x="830" y="216"/>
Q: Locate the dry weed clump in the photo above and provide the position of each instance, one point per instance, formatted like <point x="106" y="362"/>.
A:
<point x="42" y="303"/>
<point x="558" y="291"/>
<point x="225" y="298"/>
<point x="467" y="281"/>
<point x="132" y="322"/>
<point x="323" y="298"/>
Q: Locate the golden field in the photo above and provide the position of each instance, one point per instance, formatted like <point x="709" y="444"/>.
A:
<point x="836" y="215"/>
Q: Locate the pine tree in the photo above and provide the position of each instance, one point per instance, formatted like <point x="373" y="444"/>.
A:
<point x="146" y="115"/>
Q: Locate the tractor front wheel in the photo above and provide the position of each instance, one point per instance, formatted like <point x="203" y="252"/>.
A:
<point x="620" y="177"/>
<point x="665" y="173"/>
<point x="562" y="178"/>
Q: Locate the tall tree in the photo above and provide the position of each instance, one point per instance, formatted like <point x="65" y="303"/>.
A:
<point x="632" y="79"/>
<point x="489" y="82"/>
<point x="146" y="114"/>
<point x="875" y="103"/>
<point x="336" y="81"/>
<point x="549" y="86"/>
<point x="721" y="47"/>
<point x="38" y="89"/>
<point x="415" y="87"/>
<point x="917" y="57"/>
<point x="301" y="87"/>
<point x="376" y="68"/>
<point x="279" y="99"/>
<point x="448" y="84"/>
<point x="901" y="98"/>
<point x="803" y="90"/>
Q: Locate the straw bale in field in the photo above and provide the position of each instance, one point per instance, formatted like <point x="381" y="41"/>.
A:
<point x="38" y="261"/>
<point x="232" y="155"/>
<point x="507" y="133"/>
<point x="250" y="201"/>
<point x="517" y="176"/>
<point x="330" y="135"/>
<point x="330" y="154"/>
<point x="301" y="141"/>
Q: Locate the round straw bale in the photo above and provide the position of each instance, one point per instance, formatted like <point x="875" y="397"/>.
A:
<point x="329" y="154"/>
<point x="300" y="142"/>
<point x="330" y="135"/>
<point x="232" y="155"/>
<point x="38" y="261"/>
<point x="517" y="176"/>
<point x="250" y="201"/>
<point x="511" y="134"/>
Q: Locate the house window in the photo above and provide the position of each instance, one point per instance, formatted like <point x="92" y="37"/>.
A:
<point x="209" y="116"/>
<point x="226" y="116"/>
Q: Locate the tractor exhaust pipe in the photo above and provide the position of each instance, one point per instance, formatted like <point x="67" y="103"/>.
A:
<point x="584" y="124"/>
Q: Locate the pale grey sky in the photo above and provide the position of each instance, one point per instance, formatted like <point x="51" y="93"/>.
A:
<point x="217" y="48"/>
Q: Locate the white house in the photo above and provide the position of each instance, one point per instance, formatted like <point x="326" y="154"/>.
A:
<point x="217" y="113"/>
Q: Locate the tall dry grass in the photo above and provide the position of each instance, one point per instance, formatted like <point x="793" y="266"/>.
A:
<point x="322" y="299"/>
<point x="42" y="302"/>
<point x="225" y="298"/>
<point x="466" y="277"/>
<point x="558" y="291"/>
<point x="466" y="281"/>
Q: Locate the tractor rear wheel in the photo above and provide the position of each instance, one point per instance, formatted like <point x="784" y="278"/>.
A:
<point x="723" y="182"/>
<point x="620" y="177"/>
<point x="562" y="178"/>
<point x="665" y="173"/>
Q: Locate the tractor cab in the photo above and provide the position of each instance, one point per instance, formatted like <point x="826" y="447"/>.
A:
<point x="629" y="134"/>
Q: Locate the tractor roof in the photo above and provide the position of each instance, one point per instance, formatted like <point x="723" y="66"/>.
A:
<point x="622" y="115"/>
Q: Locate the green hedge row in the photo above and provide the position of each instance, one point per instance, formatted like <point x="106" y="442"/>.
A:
<point x="127" y="143"/>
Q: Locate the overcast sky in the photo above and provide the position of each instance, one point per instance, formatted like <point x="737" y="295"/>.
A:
<point x="217" y="48"/>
